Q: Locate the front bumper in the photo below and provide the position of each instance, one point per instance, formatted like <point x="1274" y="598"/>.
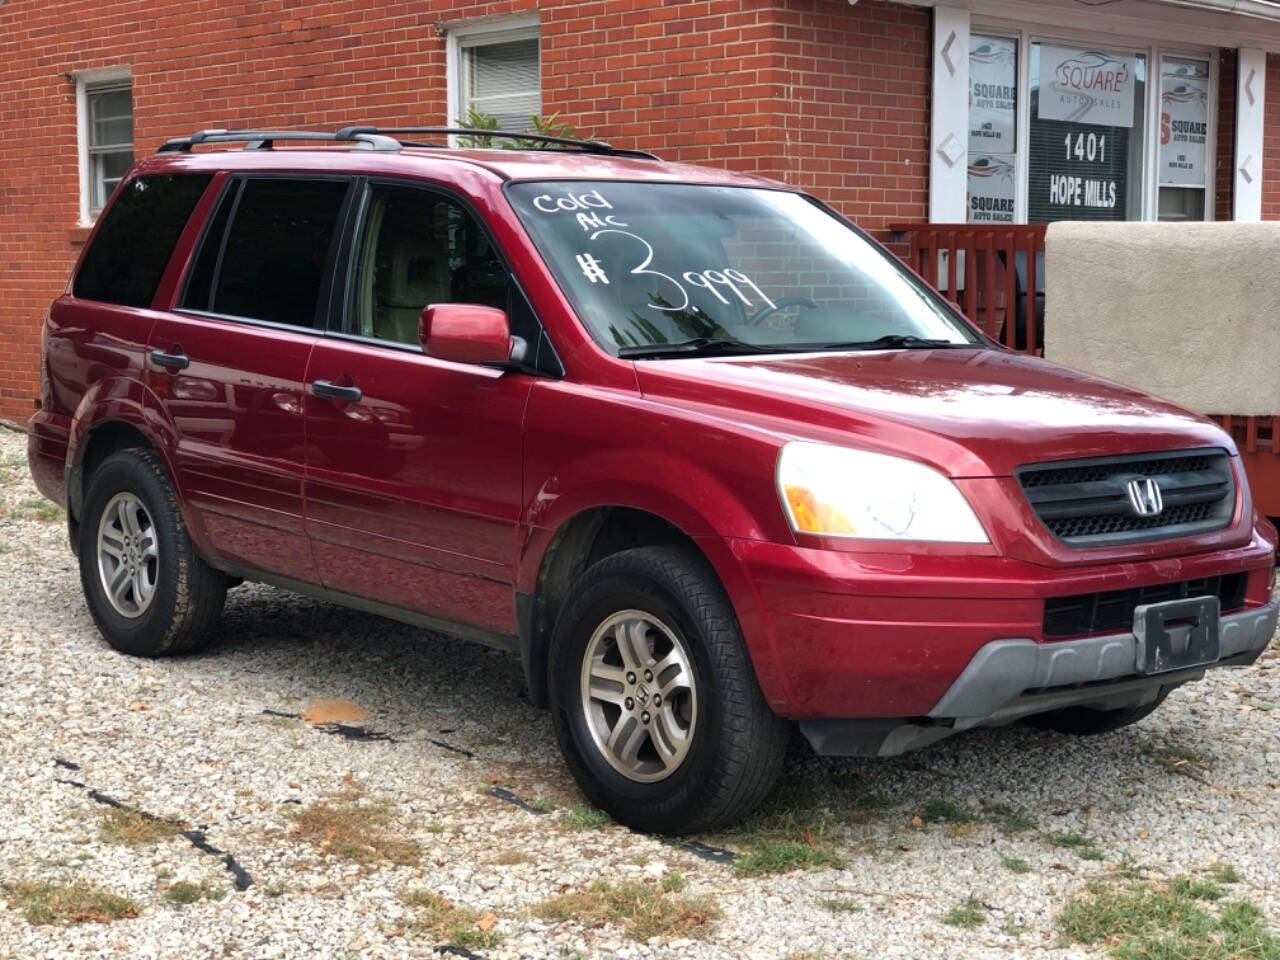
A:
<point x="1012" y="678"/>
<point x="860" y="634"/>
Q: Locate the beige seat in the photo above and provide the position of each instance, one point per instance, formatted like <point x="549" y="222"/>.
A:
<point x="414" y="274"/>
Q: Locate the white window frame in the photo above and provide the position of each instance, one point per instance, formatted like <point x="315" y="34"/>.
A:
<point x="1154" y="52"/>
<point x="479" y="33"/>
<point x="86" y="81"/>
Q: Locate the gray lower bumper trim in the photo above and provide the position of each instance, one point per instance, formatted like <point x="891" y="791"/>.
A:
<point x="1004" y="669"/>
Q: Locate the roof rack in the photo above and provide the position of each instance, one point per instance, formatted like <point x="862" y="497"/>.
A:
<point x="586" y="146"/>
<point x="385" y="138"/>
<point x="265" y="139"/>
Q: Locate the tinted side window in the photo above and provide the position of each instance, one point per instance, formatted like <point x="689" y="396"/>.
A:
<point x="132" y="247"/>
<point x="418" y="248"/>
<point x="275" y="252"/>
<point x="199" y="289"/>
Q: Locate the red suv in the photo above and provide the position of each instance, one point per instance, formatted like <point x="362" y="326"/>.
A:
<point x="706" y="457"/>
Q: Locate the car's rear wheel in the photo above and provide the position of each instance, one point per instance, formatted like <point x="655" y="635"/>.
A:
<point x="655" y="703"/>
<point x="1084" y="722"/>
<point x="148" y="591"/>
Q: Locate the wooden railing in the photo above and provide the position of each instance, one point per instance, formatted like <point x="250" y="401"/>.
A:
<point x="992" y="273"/>
<point x="989" y="270"/>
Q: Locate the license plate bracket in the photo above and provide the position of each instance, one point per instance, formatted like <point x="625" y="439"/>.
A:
<point x="1176" y="634"/>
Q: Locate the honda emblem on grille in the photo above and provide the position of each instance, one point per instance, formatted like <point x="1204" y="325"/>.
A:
<point x="1144" y="497"/>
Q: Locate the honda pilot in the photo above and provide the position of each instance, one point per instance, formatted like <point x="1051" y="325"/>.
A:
<point x="713" y="463"/>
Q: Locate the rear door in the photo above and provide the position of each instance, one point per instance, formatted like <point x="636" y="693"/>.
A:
<point x="413" y="472"/>
<point x="228" y="364"/>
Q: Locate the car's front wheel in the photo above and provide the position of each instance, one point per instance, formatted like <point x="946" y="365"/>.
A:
<point x="149" y="592"/>
<point x="655" y="702"/>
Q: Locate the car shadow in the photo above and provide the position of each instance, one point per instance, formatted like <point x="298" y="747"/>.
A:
<point x="427" y="687"/>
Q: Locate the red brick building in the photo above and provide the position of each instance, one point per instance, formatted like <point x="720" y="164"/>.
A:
<point x="893" y="111"/>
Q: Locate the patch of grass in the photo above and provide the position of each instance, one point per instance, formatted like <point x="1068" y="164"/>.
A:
<point x="839" y="905"/>
<point x="970" y="914"/>
<point x="446" y="922"/>
<point x="944" y="811"/>
<point x="674" y="881"/>
<point x="40" y="509"/>
<point x="44" y="903"/>
<point x="358" y="832"/>
<point x="1176" y="758"/>
<point x="641" y="910"/>
<point x="134" y="829"/>
<point x="1167" y="922"/>
<point x="1009" y="820"/>
<point x="274" y="890"/>
<point x="433" y="826"/>
<point x="1195" y="889"/>
<point x="584" y="816"/>
<point x="4" y="548"/>
<point x="1015" y="864"/>
<point x="1084" y="847"/>
<point x="509" y="858"/>
<point x="183" y="892"/>
<point x="784" y="856"/>
<point x="1225" y="873"/>
<point x="793" y="829"/>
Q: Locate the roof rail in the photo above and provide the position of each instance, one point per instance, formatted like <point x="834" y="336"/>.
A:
<point x="586" y="146"/>
<point x="265" y="139"/>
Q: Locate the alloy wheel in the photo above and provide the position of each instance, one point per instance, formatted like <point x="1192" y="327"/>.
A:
<point x="128" y="555"/>
<point x="639" y="695"/>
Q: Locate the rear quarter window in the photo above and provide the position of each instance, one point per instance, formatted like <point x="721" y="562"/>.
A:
<point x="131" y="248"/>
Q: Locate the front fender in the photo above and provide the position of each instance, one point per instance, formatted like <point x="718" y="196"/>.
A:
<point x="682" y="493"/>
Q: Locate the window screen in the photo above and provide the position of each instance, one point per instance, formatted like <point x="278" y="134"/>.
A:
<point x="275" y="251"/>
<point x="503" y="80"/>
<point x="109" y="130"/>
<point x="131" y="249"/>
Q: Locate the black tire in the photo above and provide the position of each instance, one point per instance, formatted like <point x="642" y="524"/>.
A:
<point x="1084" y="722"/>
<point x="737" y="743"/>
<point x="188" y="593"/>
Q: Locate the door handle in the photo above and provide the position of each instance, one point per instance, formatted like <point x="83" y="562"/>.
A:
<point x="170" y="361"/>
<point x="336" y="391"/>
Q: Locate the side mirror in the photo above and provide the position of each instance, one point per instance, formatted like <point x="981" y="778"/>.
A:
<point x="468" y="333"/>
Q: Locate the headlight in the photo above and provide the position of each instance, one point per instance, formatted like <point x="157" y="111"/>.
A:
<point x="838" y="492"/>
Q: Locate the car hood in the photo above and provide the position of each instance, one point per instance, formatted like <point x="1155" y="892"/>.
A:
<point x="969" y="412"/>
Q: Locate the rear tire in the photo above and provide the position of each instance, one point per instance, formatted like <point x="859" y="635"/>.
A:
<point x="709" y="753"/>
<point x="148" y="591"/>
<point x="1083" y="722"/>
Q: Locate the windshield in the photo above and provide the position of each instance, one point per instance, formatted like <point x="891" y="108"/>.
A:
<point x="650" y="267"/>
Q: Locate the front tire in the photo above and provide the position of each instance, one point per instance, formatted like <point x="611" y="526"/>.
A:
<point x="150" y="594"/>
<point x="655" y="703"/>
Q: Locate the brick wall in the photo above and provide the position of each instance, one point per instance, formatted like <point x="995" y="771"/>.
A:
<point x="1224" y="175"/>
<point x="830" y="96"/>
<point x="1271" y="142"/>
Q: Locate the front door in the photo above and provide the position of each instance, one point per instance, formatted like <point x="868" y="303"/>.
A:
<point x="414" y="464"/>
<point x="228" y="364"/>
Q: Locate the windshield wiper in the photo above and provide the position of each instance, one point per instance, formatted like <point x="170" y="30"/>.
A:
<point x="893" y="341"/>
<point x="696" y="347"/>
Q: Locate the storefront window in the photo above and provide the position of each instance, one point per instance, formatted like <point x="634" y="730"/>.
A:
<point x="1066" y="131"/>
<point x="1184" y="136"/>
<point x="993" y="129"/>
<point x="1085" y="153"/>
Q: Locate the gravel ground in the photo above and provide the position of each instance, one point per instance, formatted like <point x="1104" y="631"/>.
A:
<point x="459" y="764"/>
